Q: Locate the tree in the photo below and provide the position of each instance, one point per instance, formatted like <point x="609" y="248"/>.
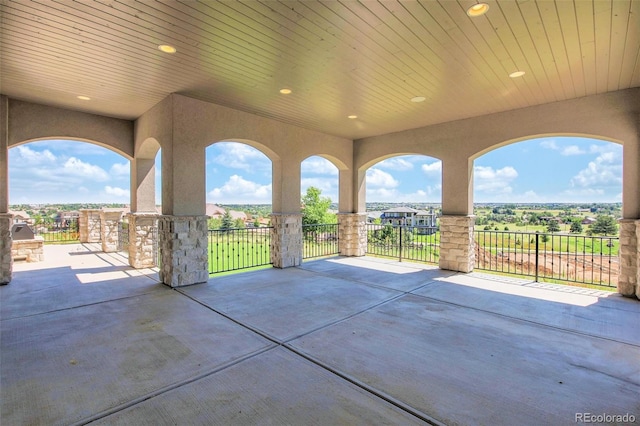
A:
<point x="553" y="226"/>
<point x="576" y="227"/>
<point x="315" y="209"/>
<point x="227" y="220"/>
<point x="604" y="225"/>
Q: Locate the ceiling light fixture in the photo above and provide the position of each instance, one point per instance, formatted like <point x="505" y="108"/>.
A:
<point x="285" y="91"/>
<point x="352" y="117"/>
<point x="417" y="99"/>
<point x="478" y="10"/>
<point x="83" y="98"/>
<point x="167" y="48"/>
<point x="517" y="74"/>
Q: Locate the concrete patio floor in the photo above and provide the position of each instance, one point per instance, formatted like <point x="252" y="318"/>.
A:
<point x="339" y="341"/>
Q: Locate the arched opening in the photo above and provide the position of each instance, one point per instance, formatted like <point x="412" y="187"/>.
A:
<point x="320" y="188"/>
<point x="238" y="205"/>
<point x="548" y="208"/>
<point x="403" y="203"/>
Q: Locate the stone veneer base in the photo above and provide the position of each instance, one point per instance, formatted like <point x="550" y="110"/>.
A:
<point x="457" y="243"/>
<point x="6" y="261"/>
<point x="183" y="249"/>
<point x="286" y="240"/>
<point x="143" y="233"/>
<point x="352" y="234"/>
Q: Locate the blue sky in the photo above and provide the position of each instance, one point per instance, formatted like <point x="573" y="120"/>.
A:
<point x="558" y="169"/>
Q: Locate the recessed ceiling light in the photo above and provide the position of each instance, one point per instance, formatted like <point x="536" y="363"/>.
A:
<point x="167" y="49"/>
<point x="285" y="91"/>
<point x="478" y="9"/>
<point x="83" y="98"/>
<point x="352" y="117"/>
<point x="516" y="74"/>
<point x="418" y="99"/>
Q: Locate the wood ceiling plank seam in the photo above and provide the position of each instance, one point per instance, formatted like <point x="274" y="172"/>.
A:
<point x="619" y="23"/>
<point x="629" y="74"/>
<point x="566" y="17"/>
<point x="538" y="36"/>
<point x="231" y="56"/>
<point x="59" y="30"/>
<point x="602" y="41"/>
<point x="400" y="26"/>
<point x="51" y="49"/>
<point x="586" y="27"/>
<point x="470" y="36"/>
<point x="499" y="35"/>
<point x="553" y="33"/>
<point x="432" y="27"/>
<point x="360" y="41"/>
<point x="524" y="41"/>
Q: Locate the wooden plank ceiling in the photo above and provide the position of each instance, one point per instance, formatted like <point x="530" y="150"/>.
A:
<point x="339" y="58"/>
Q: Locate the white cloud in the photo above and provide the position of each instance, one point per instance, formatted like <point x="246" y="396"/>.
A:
<point x="25" y="157"/>
<point x="240" y="191"/>
<point x="240" y="156"/>
<point x="120" y="169"/>
<point x="379" y="178"/>
<point x="604" y="171"/>
<point x="488" y="180"/>
<point x="549" y="144"/>
<point x="329" y="187"/>
<point x="318" y="166"/>
<point x="434" y="168"/>
<point x="116" y="192"/>
<point x="397" y="163"/>
<point x="572" y="150"/>
<point x="76" y="167"/>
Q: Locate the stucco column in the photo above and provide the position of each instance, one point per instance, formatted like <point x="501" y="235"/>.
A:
<point x="143" y="240"/>
<point x="109" y="234"/>
<point x="183" y="250"/>
<point x="352" y="234"/>
<point x="628" y="254"/>
<point x="286" y="240"/>
<point x="4" y="154"/>
<point x="456" y="243"/>
<point x="143" y="185"/>
<point x="6" y="261"/>
<point x="89" y="224"/>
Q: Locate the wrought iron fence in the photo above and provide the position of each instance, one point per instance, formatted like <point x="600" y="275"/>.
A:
<point x="404" y="242"/>
<point x="61" y="231"/>
<point x="319" y="240"/>
<point x="560" y="257"/>
<point x="239" y="248"/>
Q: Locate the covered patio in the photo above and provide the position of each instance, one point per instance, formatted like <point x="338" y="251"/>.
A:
<point x="87" y="339"/>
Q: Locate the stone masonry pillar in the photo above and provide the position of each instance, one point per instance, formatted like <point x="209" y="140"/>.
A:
<point x="352" y="234"/>
<point x="109" y="221"/>
<point x="456" y="243"/>
<point x="629" y="253"/>
<point x="6" y="260"/>
<point x="143" y="235"/>
<point x="89" y="223"/>
<point x="183" y="250"/>
<point x="286" y="239"/>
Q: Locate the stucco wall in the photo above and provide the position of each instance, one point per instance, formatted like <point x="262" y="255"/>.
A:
<point x="612" y="116"/>
<point x="29" y="122"/>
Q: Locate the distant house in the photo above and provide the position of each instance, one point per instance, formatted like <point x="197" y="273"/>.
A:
<point x="216" y="212"/>
<point x="21" y="216"/>
<point x="421" y="221"/>
<point x="588" y="220"/>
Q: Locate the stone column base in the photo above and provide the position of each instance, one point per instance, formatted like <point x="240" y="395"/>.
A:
<point x="629" y="254"/>
<point x="286" y="240"/>
<point x="183" y="250"/>
<point x="6" y="261"/>
<point x="456" y="243"/>
<point x="109" y="234"/>
<point x="143" y="240"/>
<point x="352" y="234"/>
<point x="89" y="226"/>
<point x="29" y="250"/>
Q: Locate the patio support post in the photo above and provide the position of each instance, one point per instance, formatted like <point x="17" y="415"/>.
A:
<point x="456" y="243"/>
<point x="183" y="250"/>
<point x="6" y="220"/>
<point x="6" y="260"/>
<point x="109" y="221"/>
<point x="352" y="234"/>
<point x="143" y="185"/>
<point x="89" y="225"/>
<point x="143" y="237"/>
<point x="286" y="220"/>
<point x="628" y="274"/>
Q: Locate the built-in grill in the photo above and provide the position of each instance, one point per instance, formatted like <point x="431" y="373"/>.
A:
<point x="22" y="231"/>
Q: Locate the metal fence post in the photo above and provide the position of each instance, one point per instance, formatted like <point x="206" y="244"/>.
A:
<point x="537" y="256"/>
<point x="400" y="254"/>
